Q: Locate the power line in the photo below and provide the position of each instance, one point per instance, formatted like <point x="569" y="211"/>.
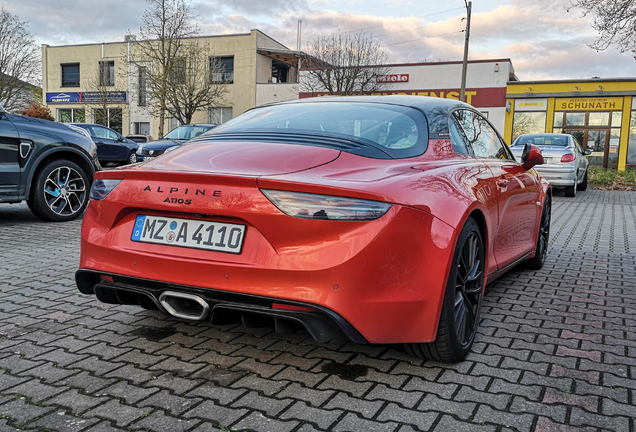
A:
<point x="426" y="37"/>
<point x="421" y="16"/>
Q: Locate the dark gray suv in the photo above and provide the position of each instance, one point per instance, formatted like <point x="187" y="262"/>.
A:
<point x="47" y="164"/>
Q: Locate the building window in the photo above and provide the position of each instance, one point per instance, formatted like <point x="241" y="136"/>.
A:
<point x="71" y="115"/>
<point x="111" y="117"/>
<point x="173" y="123"/>
<point x="107" y="73"/>
<point x="279" y="72"/>
<point x="222" y="70"/>
<point x="599" y="131"/>
<point x="71" y="75"/>
<point x="220" y="115"/>
<point x="142" y="128"/>
<point x="528" y="122"/>
<point x="631" y="145"/>
<point x="141" y="84"/>
<point x="178" y="72"/>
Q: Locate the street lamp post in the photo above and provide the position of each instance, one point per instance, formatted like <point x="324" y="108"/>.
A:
<point x="462" y="92"/>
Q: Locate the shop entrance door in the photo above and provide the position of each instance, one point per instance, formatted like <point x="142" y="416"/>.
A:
<point x="598" y="141"/>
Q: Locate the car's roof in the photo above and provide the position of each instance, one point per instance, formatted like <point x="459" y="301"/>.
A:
<point x="425" y="103"/>
<point x="544" y="134"/>
<point x="89" y="124"/>
<point x="199" y="124"/>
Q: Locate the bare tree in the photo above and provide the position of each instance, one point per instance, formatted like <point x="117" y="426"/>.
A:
<point x="615" y="21"/>
<point x="19" y="60"/>
<point x="100" y="99"/>
<point x="198" y="83"/>
<point x="344" y="64"/>
<point x="158" y="50"/>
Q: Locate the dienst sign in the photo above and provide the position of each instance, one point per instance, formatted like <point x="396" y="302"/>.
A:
<point x="477" y="97"/>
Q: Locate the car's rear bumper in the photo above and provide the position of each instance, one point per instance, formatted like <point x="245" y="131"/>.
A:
<point x="225" y="307"/>
<point x="558" y="176"/>
<point x="386" y="278"/>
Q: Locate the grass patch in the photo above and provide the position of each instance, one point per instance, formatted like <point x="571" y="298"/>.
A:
<point x="611" y="179"/>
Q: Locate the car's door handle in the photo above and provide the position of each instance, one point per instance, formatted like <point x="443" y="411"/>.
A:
<point x="503" y="182"/>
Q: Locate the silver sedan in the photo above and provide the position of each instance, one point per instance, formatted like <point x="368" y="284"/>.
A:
<point x="565" y="164"/>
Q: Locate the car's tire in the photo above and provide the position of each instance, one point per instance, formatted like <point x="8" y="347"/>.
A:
<point x="583" y="185"/>
<point x="570" y="191"/>
<point x="132" y="157"/>
<point x="59" y="191"/>
<point x="464" y="292"/>
<point x="543" y="239"/>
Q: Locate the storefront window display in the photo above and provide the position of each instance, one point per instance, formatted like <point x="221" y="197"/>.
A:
<point x="631" y="146"/>
<point x="597" y="131"/>
<point x="528" y="122"/>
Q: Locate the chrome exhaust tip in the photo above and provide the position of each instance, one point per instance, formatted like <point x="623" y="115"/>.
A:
<point x="185" y="306"/>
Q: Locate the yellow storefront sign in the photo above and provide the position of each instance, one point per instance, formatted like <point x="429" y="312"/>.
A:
<point x="589" y="104"/>
<point x="530" y="104"/>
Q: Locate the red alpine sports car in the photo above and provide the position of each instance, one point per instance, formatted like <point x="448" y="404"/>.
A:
<point x="376" y="218"/>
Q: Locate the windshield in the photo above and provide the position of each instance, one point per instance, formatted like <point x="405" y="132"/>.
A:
<point x="543" y="140"/>
<point x="187" y="132"/>
<point x="397" y="130"/>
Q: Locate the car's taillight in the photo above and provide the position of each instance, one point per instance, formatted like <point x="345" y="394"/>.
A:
<point x="568" y="157"/>
<point x="101" y="188"/>
<point x="327" y="207"/>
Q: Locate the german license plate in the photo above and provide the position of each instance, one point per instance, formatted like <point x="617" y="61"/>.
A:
<point x="190" y="233"/>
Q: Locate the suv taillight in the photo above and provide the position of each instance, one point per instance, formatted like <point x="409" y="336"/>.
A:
<point x="568" y="157"/>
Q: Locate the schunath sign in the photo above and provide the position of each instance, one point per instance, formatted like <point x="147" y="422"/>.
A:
<point x="589" y="104"/>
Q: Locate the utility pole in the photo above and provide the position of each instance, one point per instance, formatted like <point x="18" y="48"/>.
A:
<point x="298" y="51"/>
<point x="462" y="92"/>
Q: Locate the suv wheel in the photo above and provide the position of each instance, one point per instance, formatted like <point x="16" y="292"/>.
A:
<point x="59" y="191"/>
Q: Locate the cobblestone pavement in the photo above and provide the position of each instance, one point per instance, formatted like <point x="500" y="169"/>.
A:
<point x="556" y="350"/>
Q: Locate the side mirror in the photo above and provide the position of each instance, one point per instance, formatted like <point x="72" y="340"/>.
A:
<point x="531" y="156"/>
<point x="587" y="152"/>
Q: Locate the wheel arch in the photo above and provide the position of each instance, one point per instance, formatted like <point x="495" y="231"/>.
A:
<point x="62" y="154"/>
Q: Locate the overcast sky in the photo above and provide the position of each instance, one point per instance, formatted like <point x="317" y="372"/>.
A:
<point x="543" y="40"/>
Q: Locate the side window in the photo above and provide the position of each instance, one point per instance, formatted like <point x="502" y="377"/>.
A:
<point x="101" y="132"/>
<point x="482" y="138"/>
<point x="457" y="138"/>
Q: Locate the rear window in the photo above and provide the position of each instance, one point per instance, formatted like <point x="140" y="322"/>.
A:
<point x="187" y="132"/>
<point x="544" y="140"/>
<point x="396" y="130"/>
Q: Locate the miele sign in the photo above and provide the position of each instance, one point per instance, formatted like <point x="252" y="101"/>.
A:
<point x="393" y="78"/>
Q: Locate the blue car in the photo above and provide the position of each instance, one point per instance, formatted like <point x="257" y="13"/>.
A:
<point x="111" y="145"/>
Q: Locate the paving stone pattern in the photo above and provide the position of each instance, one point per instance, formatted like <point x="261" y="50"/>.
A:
<point x="556" y="350"/>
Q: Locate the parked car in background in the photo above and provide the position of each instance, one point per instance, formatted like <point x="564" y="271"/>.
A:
<point x="111" y="145"/>
<point x="48" y="164"/>
<point x="174" y="138"/>
<point x="565" y="165"/>
<point x="377" y="218"/>
<point x="139" y="138"/>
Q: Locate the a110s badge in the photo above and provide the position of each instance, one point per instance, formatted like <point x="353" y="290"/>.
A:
<point x="174" y="200"/>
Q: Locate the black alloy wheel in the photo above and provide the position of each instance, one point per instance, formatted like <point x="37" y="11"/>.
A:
<point x="59" y="191"/>
<point x="459" y="318"/>
<point x="469" y="287"/>
<point x="543" y="240"/>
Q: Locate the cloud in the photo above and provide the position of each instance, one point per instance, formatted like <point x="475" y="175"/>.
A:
<point x="540" y="36"/>
<point x="76" y="22"/>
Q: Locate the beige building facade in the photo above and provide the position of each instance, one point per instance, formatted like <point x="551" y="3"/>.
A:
<point x="91" y="83"/>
